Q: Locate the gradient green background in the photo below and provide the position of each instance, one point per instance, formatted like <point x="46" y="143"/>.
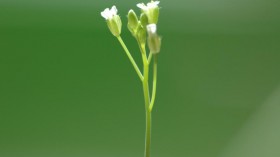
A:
<point x="68" y="89"/>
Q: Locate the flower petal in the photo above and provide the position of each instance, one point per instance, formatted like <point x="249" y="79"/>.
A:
<point x="105" y="13"/>
<point x="142" y="6"/>
<point x="114" y="10"/>
<point x="153" y="4"/>
<point x="152" y="28"/>
<point x="156" y="2"/>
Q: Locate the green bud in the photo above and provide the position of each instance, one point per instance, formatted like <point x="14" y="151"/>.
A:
<point x="132" y="20"/>
<point x="144" y="20"/>
<point x="142" y="35"/>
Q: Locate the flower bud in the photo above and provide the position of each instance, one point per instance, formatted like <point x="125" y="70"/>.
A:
<point x="132" y="19"/>
<point x="154" y="41"/>
<point x="144" y="20"/>
<point x="132" y="22"/>
<point x="142" y="35"/>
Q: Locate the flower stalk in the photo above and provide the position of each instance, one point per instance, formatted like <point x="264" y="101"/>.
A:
<point x="144" y="30"/>
<point x="130" y="58"/>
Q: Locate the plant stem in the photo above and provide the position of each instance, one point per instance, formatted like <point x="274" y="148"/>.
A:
<point x="131" y="58"/>
<point x="147" y="104"/>
<point x="145" y="82"/>
<point x="146" y="86"/>
<point x="148" y="133"/>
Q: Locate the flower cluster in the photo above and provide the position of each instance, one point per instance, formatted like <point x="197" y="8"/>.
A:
<point x="143" y="29"/>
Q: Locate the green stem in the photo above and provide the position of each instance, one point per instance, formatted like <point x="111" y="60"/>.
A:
<point x="150" y="57"/>
<point x="146" y="83"/>
<point x="148" y="133"/>
<point x="147" y="102"/>
<point x="131" y="58"/>
<point x="154" y="84"/>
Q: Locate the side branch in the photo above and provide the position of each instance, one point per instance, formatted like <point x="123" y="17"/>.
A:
<point x="131" y="58"/>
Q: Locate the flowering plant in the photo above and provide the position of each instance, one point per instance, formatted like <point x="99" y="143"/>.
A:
<point x="144" y="30"/>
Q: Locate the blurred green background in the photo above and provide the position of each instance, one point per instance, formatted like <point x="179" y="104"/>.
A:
<point x="68" y="89"/>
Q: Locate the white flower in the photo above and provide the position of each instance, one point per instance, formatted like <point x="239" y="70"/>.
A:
<point x="109" y="14"/>
<point x="113" y="20"/>
<point x="150" y="5"/>
<point x="151" y="10"/>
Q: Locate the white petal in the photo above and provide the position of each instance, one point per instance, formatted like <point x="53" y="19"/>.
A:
<point x="105" y="13"/>
<point x="142" y="6"/>
<point x="114" y="10"/>
<point x="152" y="28"/>
<point x="156" y="2"/>
<point x="153" y="4"/>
